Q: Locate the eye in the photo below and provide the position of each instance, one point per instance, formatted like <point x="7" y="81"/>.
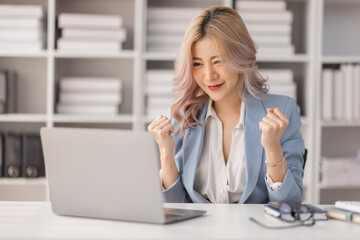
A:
<point x="196" y="64"/>
<point x="217" y="62"/>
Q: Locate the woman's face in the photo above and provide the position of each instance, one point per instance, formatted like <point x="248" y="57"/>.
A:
<point x="211" y="75"/>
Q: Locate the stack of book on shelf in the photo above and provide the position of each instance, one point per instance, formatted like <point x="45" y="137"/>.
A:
<point x="21" y="28"/>
<point x="337" y="172"/>
<point x="341" y="93"/>
<point x="166" y="27"/>
<point x="159" y="92"/>
<point x="91" y="32"/>
<point x="89" y="95"/>
<point x="269" y="24"/>
<point x="280" y="81"/>
<point x="21" y="155"/>
<point x="345" y="210"/>
<point x="8" y="92"/>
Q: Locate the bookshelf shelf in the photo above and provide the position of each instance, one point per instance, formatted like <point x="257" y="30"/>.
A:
<point x="24" y="181"/>
<point x="42" y="54"/>
<point x="339" y="187"/>
<point x="340" y="123"/>
<point x="340" y="59"/>
<point x="123" y="54"/>
<point x="23" y="118"/>
<point x="122" y="118"/>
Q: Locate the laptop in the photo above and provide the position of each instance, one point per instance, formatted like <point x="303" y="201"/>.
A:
<point x="107" y="174"/>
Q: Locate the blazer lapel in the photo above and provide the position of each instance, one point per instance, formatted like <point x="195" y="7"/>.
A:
<point x="254" y="151"/>
<point x="193" y="143"/>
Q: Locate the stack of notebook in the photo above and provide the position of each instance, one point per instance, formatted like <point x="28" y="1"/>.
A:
<point x="21" y="28"/>
<point x="269" y="24"/>
<point x="166" y="27"/>
<point x="159" y="84"/>
<point x="89" y="95"/>
<point x="91" y="32"/>
<point x="280" y="81"/>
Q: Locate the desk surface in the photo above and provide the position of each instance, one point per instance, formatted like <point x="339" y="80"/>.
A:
<point x="35" y="220"/>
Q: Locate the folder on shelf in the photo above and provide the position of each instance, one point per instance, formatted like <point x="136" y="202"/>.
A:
<point x="8" y="92"/>
<point x="267" y="17"/>
<point x="88" y="110"/>
<point x="327" y="94"/>
<point x="172" y="13"/>
<point x="33" y="159"/>
<point x="164" y="39"/>
<point x="33" y="46"/>
<point x="12" y="10"/>
<point x="273" y="29"/>
<point x="159" y="91"/>
<point x="88" y="45"/>
<point x="21" y="35"/>
<point x="277" y="5"/>
<point x="278" y="76"/>
<point x="90" y="85"/>
<point x="21" y="23"/>
<point x="356" y="92"/>
<point x="13" y="155"/>
<point x="272" y="40"/>
<point x="115" y="34"/>
<point x="281" y="50"/>
<point x="1" y="155"/>
<point x="95" y="99"/>
<point x="347" y="71"/>
<point x="92" y="21"/>
<point x="339" y="92"/>
<point x="167" y="28"/>
<point x="159" y="76"/>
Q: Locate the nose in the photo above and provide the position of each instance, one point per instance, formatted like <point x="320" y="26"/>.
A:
<point x="211" y="74"/>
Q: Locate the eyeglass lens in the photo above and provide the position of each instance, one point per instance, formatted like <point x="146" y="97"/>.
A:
<point x="304" y="213"/>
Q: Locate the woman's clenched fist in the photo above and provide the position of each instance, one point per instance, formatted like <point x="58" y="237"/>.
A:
<point x="162" y="129"/>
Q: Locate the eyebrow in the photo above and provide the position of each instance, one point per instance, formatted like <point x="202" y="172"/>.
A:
<point x="196" y="58"/>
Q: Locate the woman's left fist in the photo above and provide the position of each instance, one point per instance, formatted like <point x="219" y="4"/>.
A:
<point x="273" y="126"/>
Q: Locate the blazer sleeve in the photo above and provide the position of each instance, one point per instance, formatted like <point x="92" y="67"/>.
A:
<point x="293" y="147"/>
<point x="176" y="193"/>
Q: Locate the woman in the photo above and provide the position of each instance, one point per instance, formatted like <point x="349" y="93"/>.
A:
<point x="225" y="139"/>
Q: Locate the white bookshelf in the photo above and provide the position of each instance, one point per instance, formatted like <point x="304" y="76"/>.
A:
<point x="337" y="43"/>
<point x="40" y="72"/>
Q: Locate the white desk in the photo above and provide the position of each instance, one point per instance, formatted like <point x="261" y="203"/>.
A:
<point x="35" y="220"/>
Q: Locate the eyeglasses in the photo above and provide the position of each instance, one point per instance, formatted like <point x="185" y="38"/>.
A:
<point x="304" y="214"/>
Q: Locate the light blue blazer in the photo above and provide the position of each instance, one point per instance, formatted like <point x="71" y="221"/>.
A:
<point x="188" y="150"/>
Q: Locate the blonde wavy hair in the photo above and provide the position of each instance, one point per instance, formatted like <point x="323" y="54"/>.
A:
<point x="225" y="28"/>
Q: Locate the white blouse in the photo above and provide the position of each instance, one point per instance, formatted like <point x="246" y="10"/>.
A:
<point x="215" y="180"/>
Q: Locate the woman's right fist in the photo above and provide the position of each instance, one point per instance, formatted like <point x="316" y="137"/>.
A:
<point x="162" y="129"/>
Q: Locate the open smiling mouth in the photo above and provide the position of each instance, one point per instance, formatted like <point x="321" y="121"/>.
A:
<point x="215" y="87"/>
